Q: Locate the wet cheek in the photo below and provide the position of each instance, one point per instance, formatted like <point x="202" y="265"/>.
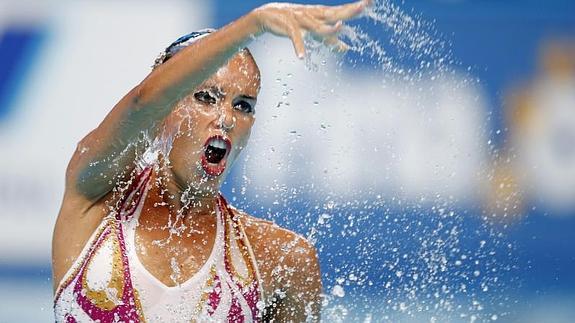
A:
<point x="187" y="149"/>
<point x="195" y="114"/>
<point x="244" y="126"/>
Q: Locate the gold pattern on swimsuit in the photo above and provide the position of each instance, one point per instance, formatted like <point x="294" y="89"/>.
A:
<point x="232" y="228"/>
<point x="101" y="298"/>
<point x="208" y="287"/>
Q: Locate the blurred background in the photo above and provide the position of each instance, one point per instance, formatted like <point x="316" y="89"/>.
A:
<point x="434" y="169"/>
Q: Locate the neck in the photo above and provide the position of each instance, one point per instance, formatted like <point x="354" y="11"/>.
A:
<point x="186" y="200"/>
<point x="191" y="206"/>
<point x="175" y="211"/>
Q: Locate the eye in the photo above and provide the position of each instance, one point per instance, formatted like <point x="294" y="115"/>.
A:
<point x="205" y="97"/>
<point x="244" y="106"/>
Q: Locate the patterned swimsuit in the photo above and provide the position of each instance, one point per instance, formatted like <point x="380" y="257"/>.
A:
<point x="108" y="283"/>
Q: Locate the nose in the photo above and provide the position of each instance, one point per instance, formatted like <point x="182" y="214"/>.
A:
<point x="226" y="119"/>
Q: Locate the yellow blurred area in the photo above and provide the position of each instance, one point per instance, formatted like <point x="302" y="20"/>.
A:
<point x="538" y="158"/>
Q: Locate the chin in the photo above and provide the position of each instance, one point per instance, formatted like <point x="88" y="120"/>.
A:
<point x="210" y="168"/>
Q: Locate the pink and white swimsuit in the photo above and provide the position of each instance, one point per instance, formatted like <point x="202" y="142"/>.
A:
<point x="108" y="283"/>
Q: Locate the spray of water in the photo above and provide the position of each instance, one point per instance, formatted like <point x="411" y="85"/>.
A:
<point x="385" y="255"/>
<point x="388" y="254"/>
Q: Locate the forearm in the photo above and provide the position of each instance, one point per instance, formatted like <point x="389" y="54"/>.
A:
<point x="170" y="82"/>
<point x="173" y="80"/>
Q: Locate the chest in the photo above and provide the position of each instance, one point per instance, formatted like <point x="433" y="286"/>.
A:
<point x="174" y="255"/>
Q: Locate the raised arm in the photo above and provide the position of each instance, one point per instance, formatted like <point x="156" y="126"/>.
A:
<point x="108" y="151"/>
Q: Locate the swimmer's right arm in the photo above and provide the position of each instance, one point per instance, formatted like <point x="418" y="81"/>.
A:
<point x="106" y="153"/>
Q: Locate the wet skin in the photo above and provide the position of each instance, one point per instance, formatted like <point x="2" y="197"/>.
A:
<point x="228" y="97"/>
<point x="196" y="118"/>
<point x="165" y="100"/>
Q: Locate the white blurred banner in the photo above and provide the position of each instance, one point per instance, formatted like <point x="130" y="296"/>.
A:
<point x="350" y="132"/>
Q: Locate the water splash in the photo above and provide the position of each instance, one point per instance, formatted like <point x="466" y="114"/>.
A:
<point x="386" y="252"/>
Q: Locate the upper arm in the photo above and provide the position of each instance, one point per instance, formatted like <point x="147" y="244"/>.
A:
<point x="302" y="302"/>
<point x="75" y="223"/>
<point x="105" y="153"/>
<point x="290" y="271"/>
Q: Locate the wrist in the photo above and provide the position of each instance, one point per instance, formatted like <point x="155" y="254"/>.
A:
<point x="255" y="20"/>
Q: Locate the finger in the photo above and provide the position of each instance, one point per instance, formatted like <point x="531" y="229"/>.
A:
<point x="336" y="44"/>
<point x="344" y="12"/>
<point x="316" y="26"/>
<point x="297" y="40"/>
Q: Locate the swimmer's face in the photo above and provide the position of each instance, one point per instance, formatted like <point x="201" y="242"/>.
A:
<point x="215" y="122"/>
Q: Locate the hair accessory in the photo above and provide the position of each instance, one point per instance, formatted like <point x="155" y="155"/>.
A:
<point x="180" y="44"/>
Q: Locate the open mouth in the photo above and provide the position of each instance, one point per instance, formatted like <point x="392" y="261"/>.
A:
<point x="216" y="150"/>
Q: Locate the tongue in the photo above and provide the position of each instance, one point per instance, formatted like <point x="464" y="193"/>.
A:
<point x="215" y="155"/>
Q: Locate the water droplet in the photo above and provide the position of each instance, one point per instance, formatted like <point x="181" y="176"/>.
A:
<point x="338" y="291"/>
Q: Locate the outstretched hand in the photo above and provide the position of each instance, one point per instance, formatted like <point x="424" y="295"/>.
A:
<point x="323" y="22"/>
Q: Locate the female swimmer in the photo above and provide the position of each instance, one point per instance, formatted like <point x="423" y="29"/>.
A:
<point x="143" y="233"/>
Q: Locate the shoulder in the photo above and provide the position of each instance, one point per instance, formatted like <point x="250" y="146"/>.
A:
<point x="289" y="269"/>
<point x="274" y="241"/>
<point x="281" y="254"/>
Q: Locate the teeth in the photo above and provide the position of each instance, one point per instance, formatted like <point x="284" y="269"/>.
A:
<point x="218" y="143"/>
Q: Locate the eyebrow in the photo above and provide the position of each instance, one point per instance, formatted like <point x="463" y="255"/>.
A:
<point x="219" y="93"/>
<point x="249" y="97"/>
